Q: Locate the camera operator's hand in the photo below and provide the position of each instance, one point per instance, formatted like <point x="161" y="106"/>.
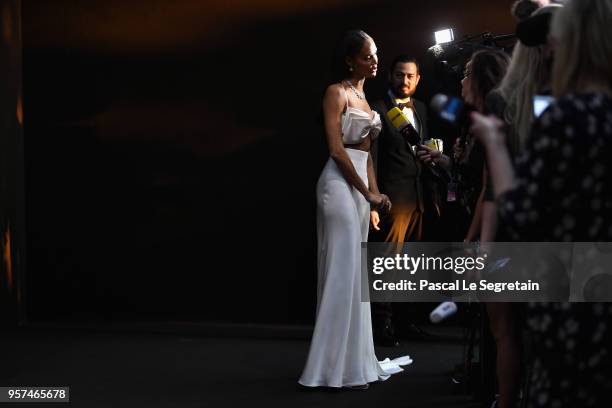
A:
<point x="487" y="129"/>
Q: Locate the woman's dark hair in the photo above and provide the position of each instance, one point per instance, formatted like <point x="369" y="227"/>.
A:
<point x="521" y="9"/>
<point x="350" y="45"/>
<point x="488" y="68"/>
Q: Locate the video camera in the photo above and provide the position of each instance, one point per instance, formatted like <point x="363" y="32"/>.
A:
<point x="450" y="56"/>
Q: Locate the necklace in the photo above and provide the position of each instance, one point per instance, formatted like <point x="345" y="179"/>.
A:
<point x="358" y="94"/>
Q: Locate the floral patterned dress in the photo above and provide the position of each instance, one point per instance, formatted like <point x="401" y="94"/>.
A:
<point x="564" y="193"/>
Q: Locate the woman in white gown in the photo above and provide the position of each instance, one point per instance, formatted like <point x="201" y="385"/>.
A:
<point x="342" y="348"/>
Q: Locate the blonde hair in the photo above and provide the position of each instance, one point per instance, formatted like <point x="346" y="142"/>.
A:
<point x="518" y="87"/>
<point x="584" y="45"/>
<point x="529" y="70"/>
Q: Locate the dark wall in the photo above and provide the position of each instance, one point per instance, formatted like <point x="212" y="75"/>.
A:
<point x="12" y="243"/>
<point x="173" y="148"/>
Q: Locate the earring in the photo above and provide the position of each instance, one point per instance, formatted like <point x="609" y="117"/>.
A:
<point x="350" y="69"/>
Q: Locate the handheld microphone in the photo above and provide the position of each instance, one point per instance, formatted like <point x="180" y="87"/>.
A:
<point x="452" y="109"/>
<point x="444" y="310"/>
<point x="400" y="122"/>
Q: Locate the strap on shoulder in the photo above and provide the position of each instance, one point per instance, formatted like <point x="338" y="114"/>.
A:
<point x="345" y="96"/>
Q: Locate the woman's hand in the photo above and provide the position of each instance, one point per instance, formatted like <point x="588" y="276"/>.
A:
<point x="427" y="155"/>
<point x="487" y="129"/>
<point x="375" y="219"/>
<point x="379" y="201"/>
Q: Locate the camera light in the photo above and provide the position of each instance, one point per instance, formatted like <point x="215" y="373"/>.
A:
<point x="444" y="36"/>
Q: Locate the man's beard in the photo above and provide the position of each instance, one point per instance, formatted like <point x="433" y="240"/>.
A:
<point x="402" y="94"/>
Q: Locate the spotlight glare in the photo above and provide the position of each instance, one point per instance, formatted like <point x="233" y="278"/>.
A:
<point x="444" y="36"/>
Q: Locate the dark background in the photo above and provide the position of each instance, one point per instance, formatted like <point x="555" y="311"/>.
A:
<point x="172" y="148"/>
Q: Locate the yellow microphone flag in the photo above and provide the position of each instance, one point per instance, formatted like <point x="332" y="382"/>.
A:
<point x="397" y="118"/>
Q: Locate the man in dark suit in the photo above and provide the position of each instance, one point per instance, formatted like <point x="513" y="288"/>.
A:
<point x="401" y="176"/>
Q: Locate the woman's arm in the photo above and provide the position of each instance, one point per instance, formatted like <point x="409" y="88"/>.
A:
<point x="333" y="105"/>
<point x="488" y="229"/>
<point x="526" y="204"/>
<point x="477" y="218"/>
<point x="372" y="176"/>
<point x="374" y="216"/>
<point x="489" y="130"/>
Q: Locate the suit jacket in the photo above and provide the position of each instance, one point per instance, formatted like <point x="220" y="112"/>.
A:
<point x="398" y="171"/>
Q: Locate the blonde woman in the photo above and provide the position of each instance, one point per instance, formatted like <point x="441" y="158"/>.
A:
<point x="561" y="192"/>
<point x="527" y="75"/>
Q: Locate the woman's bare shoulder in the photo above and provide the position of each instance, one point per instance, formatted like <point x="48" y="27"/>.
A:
<point x="335" y="93"/>
<point x="334" y="90"/>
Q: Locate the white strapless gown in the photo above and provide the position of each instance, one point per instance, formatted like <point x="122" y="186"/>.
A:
<point x="342" y="348"/>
